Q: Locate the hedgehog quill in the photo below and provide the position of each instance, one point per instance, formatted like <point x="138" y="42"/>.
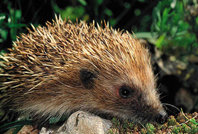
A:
<point x="65" y="67"/>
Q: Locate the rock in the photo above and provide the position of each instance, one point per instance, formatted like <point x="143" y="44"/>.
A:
<point x="81" y="123"/>
<point x="46" y="131"/>
<point x="85" y="123"/>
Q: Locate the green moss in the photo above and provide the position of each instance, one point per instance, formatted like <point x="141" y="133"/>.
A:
<point x="150" y="127"/>
<point x="143" y="131"/>
<point x="172" y="121"/>
<point x="185" y="128"/>
<point x="183" y="123"/>
<point x="176" y="129"/>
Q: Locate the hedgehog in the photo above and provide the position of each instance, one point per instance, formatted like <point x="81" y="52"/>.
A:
<point x="64" y="67"/>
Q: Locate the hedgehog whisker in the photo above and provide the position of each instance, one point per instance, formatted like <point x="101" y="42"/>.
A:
<point x="167" y="104"/>
<point x="141" y="124"/>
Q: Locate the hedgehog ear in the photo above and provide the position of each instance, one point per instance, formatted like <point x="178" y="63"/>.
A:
<point x="87" y="78"/>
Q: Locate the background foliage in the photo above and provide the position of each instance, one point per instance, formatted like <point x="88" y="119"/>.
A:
<point x="15" y="15"/>
<point x="169" y="24"/>
<point x="176" y="24"/>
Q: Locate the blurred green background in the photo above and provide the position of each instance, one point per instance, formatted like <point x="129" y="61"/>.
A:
<point x="168" y="24"/>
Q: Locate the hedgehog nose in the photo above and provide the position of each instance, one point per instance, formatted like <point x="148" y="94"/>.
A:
<point x="161" y="117"/>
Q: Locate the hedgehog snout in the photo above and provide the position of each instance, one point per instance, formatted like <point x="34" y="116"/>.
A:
<point x="161" y="117"/>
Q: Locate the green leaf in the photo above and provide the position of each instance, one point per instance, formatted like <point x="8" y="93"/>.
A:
<point x="165" y="16"/>
<point x="108" y="12"/>
<point x="73" y="12"/>
<point x="55" y="7"/>
<point x="160" y="41"/>
<point x="141" y="0"/>
<point x="99" y="2"/>
<point x="147" y="35"/>
<point x="193" y="121"/>
<point x="137" y="12"/>
<point x="82" y="2"/>
<point x="196" y="19"/>
<point x="11" y="25"/>
<point x="173" y="31"/>
<point x="127" y="5"/>
<point x="112" y="22"/>
<point x="17" y="14"/>
<point x="3" y="34"/>
<point x="2" y="17"/>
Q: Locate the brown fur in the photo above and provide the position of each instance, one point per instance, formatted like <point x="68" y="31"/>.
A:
<point x="40" y="75"/>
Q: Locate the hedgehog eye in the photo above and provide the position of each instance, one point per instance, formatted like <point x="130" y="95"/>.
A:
<point x="87" y="78"/>
<point x="125" y="91"/>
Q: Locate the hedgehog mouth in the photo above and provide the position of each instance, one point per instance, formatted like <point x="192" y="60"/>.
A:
<point x="144" y="119"/>
<point x="141" y="117"/>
